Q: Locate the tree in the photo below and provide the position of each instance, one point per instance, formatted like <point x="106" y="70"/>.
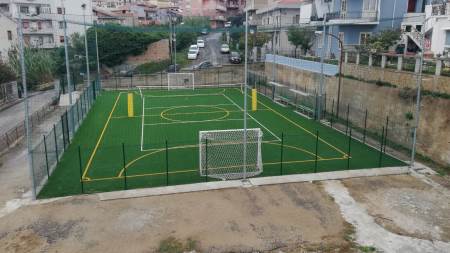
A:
<point x="40" y="65"/>
<point x="382" y="41"/>
<point x="185" y="39"/>
<point x="301" y="37"/>
<point x="6" y="73"/>
<point x="257" y="39"/>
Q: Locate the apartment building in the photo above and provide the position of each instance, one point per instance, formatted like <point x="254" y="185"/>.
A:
<point x="42" y="20"/>
<point x="431" y="18"/>
<point x="8" y="35"/>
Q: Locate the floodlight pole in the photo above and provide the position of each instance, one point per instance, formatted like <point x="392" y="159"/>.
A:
<point x="98" y="59"/>
<point x="419" y="91"/>
<point x="88" y="76"/>
<point x="321" y="85"/>
<point x="25" y="94"/>
<point x="245" y="94"/>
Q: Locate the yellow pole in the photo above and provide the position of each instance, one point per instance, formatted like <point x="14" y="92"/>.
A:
<point x="254" y="100"/>
<point x="130" y="105"/>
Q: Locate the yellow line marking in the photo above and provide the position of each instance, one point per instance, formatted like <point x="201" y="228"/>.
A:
<point x="88" y="165"/>
<point x="304" y="129"/>
<point x="196" y="170"/>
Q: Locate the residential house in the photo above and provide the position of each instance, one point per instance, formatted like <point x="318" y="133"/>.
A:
<point x="8" y="35"/>
<point x="431" y="18"/>
<point x="105" y="17"/>
<point x="42" y="20"/>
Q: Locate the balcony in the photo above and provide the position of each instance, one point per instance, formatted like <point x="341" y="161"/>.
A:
<point x="440" y="9"/>
<point x="221" y="7"/>
<point x="38" y="31"/>
<point x="353" y="18"/>
<point x="232" y="5"/>
<point x="218" y="18"/>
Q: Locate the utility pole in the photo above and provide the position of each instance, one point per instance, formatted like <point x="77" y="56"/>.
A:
<point x="66" y="50"/>
<point x="86" y="45"/>
<point x="245" y="94"/>
<point x="25" y="94"/>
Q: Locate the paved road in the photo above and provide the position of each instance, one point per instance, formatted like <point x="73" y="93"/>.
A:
<point x="211" y="52"/>
<point x="15" y="114"/>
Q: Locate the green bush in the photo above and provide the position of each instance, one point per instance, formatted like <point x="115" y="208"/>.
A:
<point x="6" y="73"/>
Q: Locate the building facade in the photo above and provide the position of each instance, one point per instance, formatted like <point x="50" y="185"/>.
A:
<point x="42" y="20"/>
<point x="8" y="35"/>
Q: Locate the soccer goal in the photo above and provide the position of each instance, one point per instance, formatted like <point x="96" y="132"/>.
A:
<point x="222" y="153"/>
<point x="180" y="81"/>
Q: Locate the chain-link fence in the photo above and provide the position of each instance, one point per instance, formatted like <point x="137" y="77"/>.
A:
<point x="46" y="154"/>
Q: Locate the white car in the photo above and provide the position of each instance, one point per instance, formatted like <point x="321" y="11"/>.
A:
<point x="194" y="47"/>
<point x="201" y="43"/>
<point x="192" y="54"/>
<point x="224" y="49"/>
<point x="228" y="24"/>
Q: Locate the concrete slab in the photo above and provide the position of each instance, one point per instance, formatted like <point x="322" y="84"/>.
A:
<point x="217" y="185"/>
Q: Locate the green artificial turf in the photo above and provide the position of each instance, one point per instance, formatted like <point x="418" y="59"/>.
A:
<point x="161" y="148"/>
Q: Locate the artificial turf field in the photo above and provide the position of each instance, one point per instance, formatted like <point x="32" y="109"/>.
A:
<point x="159" y="145"/>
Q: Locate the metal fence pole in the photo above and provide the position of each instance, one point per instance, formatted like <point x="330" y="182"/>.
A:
<point x="46" y="157"/>
<point x="281" y="153"/>
<point x="381" y="148"/>
<point x="206" y="159"/>
<point x="81" y="169"/>
<point x="124" y="167"/>
<point x="317" y="150"/>
<point x="332" y="113"/>
<point x="348" y="115"/>
<point x="386" y="134"/>
<point x="56" y="144"/>
<point x="365" y="127"/>
<point x="349" y="149"/>
<point x="167" y="163"/>
<point x="63" y="132"/>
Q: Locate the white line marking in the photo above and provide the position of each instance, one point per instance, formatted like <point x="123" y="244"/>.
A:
<point x="175" y="106"/>
<point x="189" y="122"/>
<point x="142" y="122"/>
<point x="274" y="135"/>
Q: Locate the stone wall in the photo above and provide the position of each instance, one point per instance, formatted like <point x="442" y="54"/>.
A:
<point x="382" y="102"/>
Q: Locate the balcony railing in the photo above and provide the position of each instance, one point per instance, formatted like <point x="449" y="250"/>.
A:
<point x="351" y="17"/>
<point x="221" y="7"/>
<point x="440" y="9"/>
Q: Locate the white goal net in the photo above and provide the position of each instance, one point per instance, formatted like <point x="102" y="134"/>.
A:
<point x="180" y="81"/>
<point x="222" y="153"/>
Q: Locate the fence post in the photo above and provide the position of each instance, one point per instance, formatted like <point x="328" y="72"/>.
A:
<point x="381" y="148"/>
<point x="281" y="153"/>
<point x="81" y="169"/>
<point x="365" y="127"/>
<point x="206" y="159"/>
<point x="400" y="62"/>
<point x="63" y="132"/>
<point x="332" y="113"/>
<point x="46" y="157"/>
<point x="161" y="75"/>
<point x="386" y="134"/>
<point x="125" y="186"/>
<point x="349" y="149"/>
<point x="317" y="149"/>
<point x="56" y="144"/>
<point x="7" y="139"/>
<point x="348" y="114"/>
<point x="218" y="80"/>
<point x="167" y="163"/>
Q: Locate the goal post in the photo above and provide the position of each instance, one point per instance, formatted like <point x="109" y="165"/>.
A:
<point x="221" y="153"/>
<point x="180" y="81"/>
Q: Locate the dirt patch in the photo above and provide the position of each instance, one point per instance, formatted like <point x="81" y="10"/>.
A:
<point x="293" y="217"/>
<point x="404" y="205"/>
<point x="155" y="52"/>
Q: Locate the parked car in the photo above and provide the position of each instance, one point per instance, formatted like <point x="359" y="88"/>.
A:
<point x="196" y="48"/>
<point x="204" y="31"/>
<point x="201" y="43"/>
<point x="227" y="24"/>
<point x="203" y="65"/>
<point x="235" y="57"/>
<point x="192" y="54"/>
<point x="225" y="49"/>
<point x="173" y="68"/>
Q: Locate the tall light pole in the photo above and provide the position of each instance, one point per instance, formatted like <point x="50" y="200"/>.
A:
<point x="66" y="51"/>
<point x="245" y="94"/>
<point x="419" y="93"/>
<point x="321" y="84"/>
<point x="25" y="94"/>
<point x="88" y="76"/>
<point x="98" y="59"/>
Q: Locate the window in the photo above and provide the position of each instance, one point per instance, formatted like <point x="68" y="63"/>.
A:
<point x="364" y="38"/>
<point x="9" y="35"/>
<point x="25" y="25"/>
<point x="39" y="25"/>
<point x="296" y="19"/>
<point x="24" y="9"/>
<point x="61" y="39"/>
<point x="38" y="10"/>
<point x="60" y="10"/>
<point x="61" y="24"/>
